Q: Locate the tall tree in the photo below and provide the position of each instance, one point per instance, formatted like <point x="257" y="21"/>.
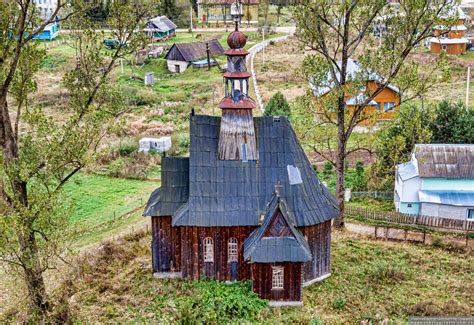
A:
<point x="278" y="106"/>
<point x="169" y="9"/>
<point x="41" y="154"/>
<point x="453" y="124"/>
<point x="338" y="31"/>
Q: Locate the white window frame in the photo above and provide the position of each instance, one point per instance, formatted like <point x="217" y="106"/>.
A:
<point x="278" y="277"/>
<point x="232" y="250"/>
<point x="444" y="47"/>
<point x="388" y="106"/>
<point x="208" y="249"/>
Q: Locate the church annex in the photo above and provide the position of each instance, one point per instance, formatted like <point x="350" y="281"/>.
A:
<point x="246" y="203"/>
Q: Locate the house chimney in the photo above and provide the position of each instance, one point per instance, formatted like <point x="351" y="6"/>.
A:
<point x="237" y="132"/>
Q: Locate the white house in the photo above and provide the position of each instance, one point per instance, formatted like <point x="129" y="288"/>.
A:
<point x="438" y="181"/>
<point x="46" y="9"/>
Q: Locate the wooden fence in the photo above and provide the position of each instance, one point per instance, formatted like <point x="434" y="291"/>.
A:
<point x="410" y="219"/>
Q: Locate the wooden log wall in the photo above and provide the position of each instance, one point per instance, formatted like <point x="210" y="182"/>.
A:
<point x="262" y="281"/>
<point x="192" y="254"/>
<point x="319" y="240"/>
<point x="166" y="245"/>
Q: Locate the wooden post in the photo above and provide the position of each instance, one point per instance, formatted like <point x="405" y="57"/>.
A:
<point x="208" y="57"/>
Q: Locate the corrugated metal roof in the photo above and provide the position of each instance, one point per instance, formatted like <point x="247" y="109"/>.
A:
<point x="236" y="193"/>
<point x="174" y="191"/>
<point x="354" y="71"/>
<point x="445" y="160"/>
<point x="407" y="170"/>
<point x="160" y="24"/>
<point x="260" y="249"/>
<point x="194" y="51"/>
<point x="458" y="198"/>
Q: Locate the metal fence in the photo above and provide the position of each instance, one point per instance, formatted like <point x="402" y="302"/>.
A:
<point x="410" y="219"/>
<point x="380" y="195"/>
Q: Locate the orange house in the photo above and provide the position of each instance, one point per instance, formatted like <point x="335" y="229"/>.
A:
<point x="384" y="105"/>
<point x="451" y="36"/>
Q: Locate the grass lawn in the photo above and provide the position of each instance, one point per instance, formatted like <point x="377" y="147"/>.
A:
<point x="371" y="280"/>
<point x="98" y="197"/>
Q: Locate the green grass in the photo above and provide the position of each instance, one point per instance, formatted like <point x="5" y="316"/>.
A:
<point x="370" y="280"/>
<point x="98" y="197"/>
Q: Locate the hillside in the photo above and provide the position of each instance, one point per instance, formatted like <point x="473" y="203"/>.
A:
<point x="371" y="280"/>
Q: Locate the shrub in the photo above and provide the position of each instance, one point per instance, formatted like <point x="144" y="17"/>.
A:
<point x="359" y="183"/>
<point x="338" y="303"/>
<point x="327" y="169"/>
<point x="278" y="106"/>
<point x="217" y="302"/>
<point x="127" y="147"/>
<point x="146" y="96"/>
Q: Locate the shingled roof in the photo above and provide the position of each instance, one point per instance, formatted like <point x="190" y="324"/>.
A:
<point x="445" y="160"/>
<point x="160" y="24"/>
<point x="174" y="191"/>
<point x="271" y="249"/>
<point x="236" y="193"/>
<point x="193" y="51"/>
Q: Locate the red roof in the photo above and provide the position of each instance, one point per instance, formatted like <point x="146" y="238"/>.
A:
<point x="237" y="74"/>
<point x="236" y="52"/>
<point x="227" y="102"/>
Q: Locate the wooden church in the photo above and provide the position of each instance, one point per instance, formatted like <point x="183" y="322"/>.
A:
<point x="246" y="203"/>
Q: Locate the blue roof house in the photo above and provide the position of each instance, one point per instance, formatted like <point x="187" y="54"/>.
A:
<point x="438" y="181"/>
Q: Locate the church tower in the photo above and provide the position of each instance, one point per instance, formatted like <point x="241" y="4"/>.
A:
<point x="237" y="132"/>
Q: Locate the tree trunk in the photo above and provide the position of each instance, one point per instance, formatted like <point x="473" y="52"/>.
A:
<point x="340" y="159"/>
<point x="28" y="248"/>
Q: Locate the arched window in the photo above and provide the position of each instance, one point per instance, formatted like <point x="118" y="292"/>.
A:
<point x="232" y="250"/>
<point x="208" y="249"/>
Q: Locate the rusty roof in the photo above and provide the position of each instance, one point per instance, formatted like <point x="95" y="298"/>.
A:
<point x="445" y="160"/>
<point x="193" y="51"/>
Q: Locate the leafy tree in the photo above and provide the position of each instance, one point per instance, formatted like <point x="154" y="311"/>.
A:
<point x="359" y="182"/>
<point x="278" y="106"/>
<point x="395" y="144"/>
<point x="338" y="31"/>
<point x="42" y="155"/>
<point x="169" y="9"/>
<point x="453" y="124"/>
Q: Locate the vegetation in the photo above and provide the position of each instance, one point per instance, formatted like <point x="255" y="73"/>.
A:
<point x="344" y="33"/>
<point x="278" y="106"/>
<point x="452" y="124"/>
<point x="370" y="280"/>
<point x="41" y="157"/>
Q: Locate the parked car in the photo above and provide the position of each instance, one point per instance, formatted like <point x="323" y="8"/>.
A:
<point x="114" y="43"/>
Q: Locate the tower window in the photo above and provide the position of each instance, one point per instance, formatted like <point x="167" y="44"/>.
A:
<point x="232" y="250"/>
<point x="208" y="250"/>
<point x="277" y="277"/>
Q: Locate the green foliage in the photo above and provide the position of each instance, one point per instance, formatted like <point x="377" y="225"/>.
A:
<point x="395" y="144"/>
<point x="338" y="303"/>
<point x="327" y="169"/>
<point x="217" y="302"/>
<point x="278" y="106"/>
<point x="127" y="147"/>
<point x="453" y="124"/>
<point x="359" y="182"/>
<point x="51" y="62"/>
<point x="169" y="9"/>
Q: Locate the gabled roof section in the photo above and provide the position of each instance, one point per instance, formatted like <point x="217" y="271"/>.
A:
<point x="291" y="246"/>
<point x="160" y="24"/>
<point x="407" y="170"/>
<point x="354" y="70"/>
<point x="234" y="193"/>
<point x="174" y="191"/>
<point x="193" y="51"/>
<point x="445" y="160"/>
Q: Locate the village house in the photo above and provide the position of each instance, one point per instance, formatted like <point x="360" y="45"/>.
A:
<point x="46" y="8"/>
<point x="160" y="28"/>
<point x="383" y="106"/>
<point x="438" y="181"/>
<point x="181" y="55"/>
<point x="450" y="35"/>
<point x="246" y="203"/>
<point x="219" y="11"/>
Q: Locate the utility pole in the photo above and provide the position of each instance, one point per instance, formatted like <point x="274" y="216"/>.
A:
<point x="467" y="86"/>
<point x="263" y="44"/>
<point x="191" y="19"/>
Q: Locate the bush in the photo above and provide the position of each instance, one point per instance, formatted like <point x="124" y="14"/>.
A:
<point x="127" y="147"/>
<point x="359" y="183"/>
<point x="278" y="106"/>
<point x="146" y="96"/>
<point x="217" y="302"/>
<point x="327" y="169"/>
<point x="338" y="303"/>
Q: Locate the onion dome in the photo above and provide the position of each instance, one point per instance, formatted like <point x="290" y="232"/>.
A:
<point x="236" y="40"/>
